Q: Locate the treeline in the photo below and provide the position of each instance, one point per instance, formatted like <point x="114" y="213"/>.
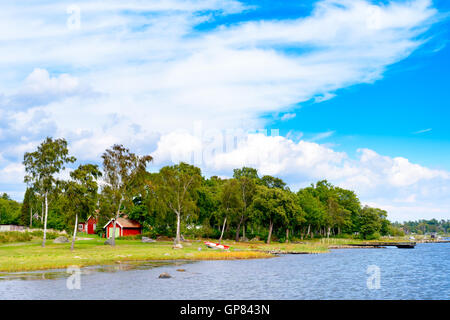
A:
<point x="9" y="210"/>
<point x="178" y="200"/>
<point x="424" y="226"/>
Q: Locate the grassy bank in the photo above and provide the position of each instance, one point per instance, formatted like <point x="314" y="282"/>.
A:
<point x="27" y="256"/>
<point x="31" y="256"/>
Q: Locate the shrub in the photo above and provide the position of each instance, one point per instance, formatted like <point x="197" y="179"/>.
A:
<point x="373" y="236"/>
<point x="14" y="236"/>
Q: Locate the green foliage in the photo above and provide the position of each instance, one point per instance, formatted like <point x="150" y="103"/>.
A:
<point x="10" y="210"/>
<point x="15" y="236"/>
<point x="177" y="199"/>
<point x="424" y="226"/>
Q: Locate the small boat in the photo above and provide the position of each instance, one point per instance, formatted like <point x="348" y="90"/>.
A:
<point x="216" y="245"/>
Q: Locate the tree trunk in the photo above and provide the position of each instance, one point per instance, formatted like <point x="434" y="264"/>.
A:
<point x="74" y="232"/>
<point x="45" y="220"/>
<point x="270" y="232"/>
<point x="223" y="229"/>
<point x="287" y="235"/>
<point x="178" y="237"/>
<point x="31" y="217"/>
<point x="239" y="229"/>
<point x="328" y="233"/>
<point x="309" y="230"/>
<point x="243" y="231"/>
<point x="114" y="225"/>
<point x="42" y="213"/>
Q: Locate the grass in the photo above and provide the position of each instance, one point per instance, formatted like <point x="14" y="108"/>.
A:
<point x="31" y="256"/>
<point x="28" y="256"/>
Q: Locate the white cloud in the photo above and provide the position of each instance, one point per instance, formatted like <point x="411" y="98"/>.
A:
<point x="139" y="73"/>
<point x="423" y="131"/>
<point x="394" y="182"/>
<point x="322" y="135"/>
<point x="288" y="116"/>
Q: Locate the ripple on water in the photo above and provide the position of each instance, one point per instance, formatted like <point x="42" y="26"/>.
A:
<point x="420" y="273"/>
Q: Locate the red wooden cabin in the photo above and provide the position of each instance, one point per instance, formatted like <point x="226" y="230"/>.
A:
<point x="91" y="225"/>
<point x="124" y="227"/>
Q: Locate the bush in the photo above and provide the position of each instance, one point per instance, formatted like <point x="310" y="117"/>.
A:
<point x="40" y="234"/>
<point x="14" y="236"/>
<point x="373" y="236"/>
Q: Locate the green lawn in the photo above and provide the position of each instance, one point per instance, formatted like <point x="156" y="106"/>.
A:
<point x="31" y="256"/>
<point x="26" y="256"/>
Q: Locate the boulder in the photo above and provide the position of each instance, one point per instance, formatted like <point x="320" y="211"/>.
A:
<point x="177" y="246"/>
<point x="109" y="242"/>
<point x="147" y="239"/>
<point x="255" y="239"/>
<point x="164" y="275"/>
<point x="61" y="239"/>
<point x="243" y="239"/>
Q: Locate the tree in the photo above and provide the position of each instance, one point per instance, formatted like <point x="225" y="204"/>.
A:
<point x="370" y="222"/>
<point x="81" y="194"/>
<point x="273" y="182"/>
<point x="269" y="208"/>
<point x="26" y="216"/>
<point x="176" y="188"/>
<point x="247" y="178"/>
<point x="42" y="165"/>
<point x="349" y="201"/>
<point x="294" y="212"/>
<point x="123" y="172"/>
<point x="314" y="209"/>
<point x="230" y="201"/>
<point x="9" y="210"/>
<point x="339" y="216"/>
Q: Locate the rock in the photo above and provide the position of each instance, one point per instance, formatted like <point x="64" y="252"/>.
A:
<point x="177" y="246"/>
<point x="181" y="270"/>
<point x="243" y="239"/>
<point x="199" y="249"/>
<point x="255" y="239"/>
<point x="147" y="239"/>
<point x="109" y="241"/>
<point x="165" y="275"/>
<point x="61" y="239"/>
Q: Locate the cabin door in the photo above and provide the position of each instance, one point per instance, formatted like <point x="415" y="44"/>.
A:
<point x="110" y="232"/>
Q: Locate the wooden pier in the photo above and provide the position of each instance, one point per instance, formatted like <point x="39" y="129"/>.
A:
<point x="400" y="245"/>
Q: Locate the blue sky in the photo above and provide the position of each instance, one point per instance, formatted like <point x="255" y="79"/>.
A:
<point x="358" y="90"/>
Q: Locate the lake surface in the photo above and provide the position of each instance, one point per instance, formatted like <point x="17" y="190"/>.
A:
<point x="420" y="273"/>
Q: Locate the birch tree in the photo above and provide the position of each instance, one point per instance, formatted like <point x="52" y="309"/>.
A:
<point x="81" y="194"/>
<point x="176" y="188"/>
<point x="230" y="201"/>
<point x="123" y="171"/>
<point x="42" y="167"/>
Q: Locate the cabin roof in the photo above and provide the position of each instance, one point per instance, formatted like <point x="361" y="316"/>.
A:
<point x="125" y="223"/>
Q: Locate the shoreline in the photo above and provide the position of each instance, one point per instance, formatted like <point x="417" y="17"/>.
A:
<point x="23" y="257"/>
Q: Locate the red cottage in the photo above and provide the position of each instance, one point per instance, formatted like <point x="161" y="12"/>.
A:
<point x="124" y="227"/>
<point x="82" y="227"/>
<point x="90" y="225"/>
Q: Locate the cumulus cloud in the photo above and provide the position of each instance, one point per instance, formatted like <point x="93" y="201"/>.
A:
<point x="396" y="183"/>
<point x="141" y="73"/>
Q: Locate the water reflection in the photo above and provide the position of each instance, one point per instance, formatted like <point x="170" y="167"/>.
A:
<point x="61" y="273"/>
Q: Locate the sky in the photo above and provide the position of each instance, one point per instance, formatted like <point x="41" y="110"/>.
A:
<point x="355" y="92"/>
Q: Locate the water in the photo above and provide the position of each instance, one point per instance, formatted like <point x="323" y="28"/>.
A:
<point x="420" y="273"/>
